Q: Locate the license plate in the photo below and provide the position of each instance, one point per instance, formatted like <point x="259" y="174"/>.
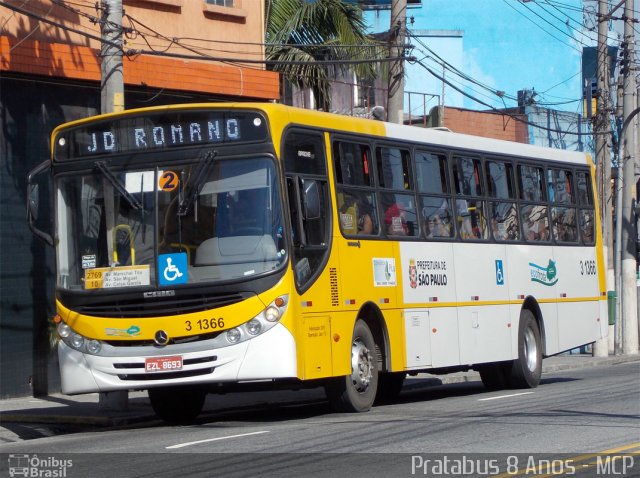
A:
<point x="163" y="364"/>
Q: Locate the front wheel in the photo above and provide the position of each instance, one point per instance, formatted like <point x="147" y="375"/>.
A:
<point x="357" y="392"/>
<point x="177" y="405"/>
<point x="526" y="370"/>
<point x="389" y="386"/>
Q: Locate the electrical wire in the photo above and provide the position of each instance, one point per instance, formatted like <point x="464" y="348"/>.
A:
<point x="494" y="110"/>
<point x="201" y="56"/>
<point x="536" y="24"/>
<point x="499" y="93"/>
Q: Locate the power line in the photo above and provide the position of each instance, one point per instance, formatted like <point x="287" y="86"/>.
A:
<point x="56" y="24"/>
<point x="536" y="24"/>
<point x="496" y="92"/>
<point x="494" y="110"/>
<point x="200" y="56"/>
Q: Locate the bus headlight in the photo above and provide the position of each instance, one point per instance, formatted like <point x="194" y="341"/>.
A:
<point x="64" y="330"/>
<point x="254" y="327"/>
<point x="272" y="314"/>
<point x="77" y="341"/>
<point x="233" y="336"/>
<point x="93" y="346"/>
<point x="262" y="322"/>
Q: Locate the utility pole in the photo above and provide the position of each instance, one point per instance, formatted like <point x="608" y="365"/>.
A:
<point x="112" y="83"/>
<point x="625" y="216"/>
<point x="111" y="100"/>
<point x="603" y="154"/>
<point x="398" y="25"/>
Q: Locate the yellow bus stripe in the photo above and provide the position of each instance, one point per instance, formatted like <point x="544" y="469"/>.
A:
<point x="484" y="303"/>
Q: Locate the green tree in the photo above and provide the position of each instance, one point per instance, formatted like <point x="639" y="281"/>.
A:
<point x="301" y="33"/>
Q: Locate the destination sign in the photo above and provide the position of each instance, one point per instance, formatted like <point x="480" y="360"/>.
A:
<point x="159" y="131"/>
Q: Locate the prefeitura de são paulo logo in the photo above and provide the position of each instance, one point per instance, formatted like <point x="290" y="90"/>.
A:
<point x="413" y="274"/>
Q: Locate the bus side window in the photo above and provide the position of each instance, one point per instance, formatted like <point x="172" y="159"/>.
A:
<point x="352" y="163"/>
<point x="586" y="213"/>
<point x="531" y="183"/>
<point x="535" y="223"/>
<point x="587" y="227"/>
<point x="306" y="175"/>
<point x="584" y="188"/>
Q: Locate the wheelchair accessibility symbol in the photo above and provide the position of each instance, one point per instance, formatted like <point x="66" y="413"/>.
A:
<point x="499" y="272"/>
<point x="172" y="268"/>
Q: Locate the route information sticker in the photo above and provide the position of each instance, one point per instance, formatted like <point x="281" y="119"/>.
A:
<point x="111" y="277"/>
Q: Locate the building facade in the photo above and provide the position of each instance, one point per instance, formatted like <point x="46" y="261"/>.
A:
<point x="175" y="51"/>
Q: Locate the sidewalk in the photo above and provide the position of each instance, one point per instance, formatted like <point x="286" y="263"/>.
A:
<point x="83" y="410"/>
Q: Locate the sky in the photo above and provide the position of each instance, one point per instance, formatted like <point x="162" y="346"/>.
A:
<point x="506" y="45"/>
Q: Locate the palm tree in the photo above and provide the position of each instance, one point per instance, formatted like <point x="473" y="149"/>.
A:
<point x="301" y="33"/>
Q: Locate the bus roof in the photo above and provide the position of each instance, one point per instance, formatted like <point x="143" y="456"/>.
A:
<point x="435" y="137"/>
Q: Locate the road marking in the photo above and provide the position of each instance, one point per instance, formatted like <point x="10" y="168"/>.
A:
<point x="605" y="459"/>
<point x="504" y="396"/>
<point x="182" y="445"/>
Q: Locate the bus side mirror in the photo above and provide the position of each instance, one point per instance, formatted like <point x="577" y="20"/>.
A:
<point x="311" y="195"/>
<point x="33" y="203"/>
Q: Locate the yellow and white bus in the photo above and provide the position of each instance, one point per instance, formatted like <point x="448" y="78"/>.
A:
<point x="210" y="244"/>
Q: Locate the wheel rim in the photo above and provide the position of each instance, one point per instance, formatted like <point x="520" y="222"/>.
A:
<point x="530" y="349"/>
<point x="361" y="365"/>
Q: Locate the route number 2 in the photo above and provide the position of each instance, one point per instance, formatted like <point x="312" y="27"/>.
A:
<point x="168" y="181"/>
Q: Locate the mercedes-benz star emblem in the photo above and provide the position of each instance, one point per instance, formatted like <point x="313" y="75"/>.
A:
<point x="161" y="337"/>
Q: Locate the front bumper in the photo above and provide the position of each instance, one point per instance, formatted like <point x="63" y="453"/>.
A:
<point x="271" y="355"/>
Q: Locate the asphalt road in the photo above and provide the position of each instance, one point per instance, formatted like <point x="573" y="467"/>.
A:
<point x="572" y="414"/>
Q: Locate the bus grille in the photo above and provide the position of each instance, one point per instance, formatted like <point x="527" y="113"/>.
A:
<point x="135" y="373"/>
<point x="166" y="375"/>
<point x="138" y="307"/>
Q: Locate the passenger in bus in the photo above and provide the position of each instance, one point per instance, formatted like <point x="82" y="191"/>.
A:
<point x="355" y="216"/>
<point x="436" y="227"/>
<point x="471" y="220"/>
<point x="365" y="222"/>
<point x="504" y="225"/>
<point x="464" y="218"/>
<point x="395" y="220"/>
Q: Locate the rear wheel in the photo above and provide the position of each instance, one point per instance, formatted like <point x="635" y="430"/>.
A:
<point x="177" y="405"/>
<point x="527" y="368"/>
<point x="495" y="376"/>
<point x="357" y="392"/>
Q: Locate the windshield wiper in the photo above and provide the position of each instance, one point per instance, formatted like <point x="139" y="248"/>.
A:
<point x="106" y="172"/>
<point x="195" y="183"/>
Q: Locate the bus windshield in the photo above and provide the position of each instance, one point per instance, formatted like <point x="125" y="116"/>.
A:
<point x="203" y="222"/>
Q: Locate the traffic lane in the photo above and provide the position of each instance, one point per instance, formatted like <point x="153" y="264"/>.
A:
<point x="456" y="417"/>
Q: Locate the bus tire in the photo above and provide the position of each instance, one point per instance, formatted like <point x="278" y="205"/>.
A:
<point x="495" y="376"/>
<point x="526" y="370"/>
<point x="356" y="392"/>
<point x="389" y="386"/>
<point x="177" y="405"/>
